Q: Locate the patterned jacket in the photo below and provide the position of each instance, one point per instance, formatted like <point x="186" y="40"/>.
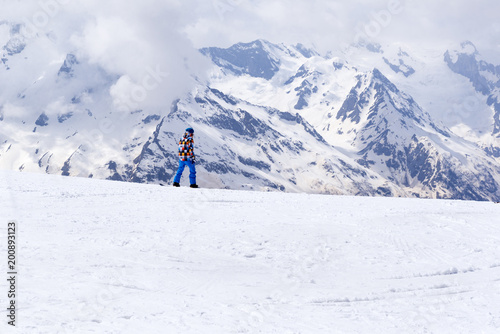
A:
<point x="186" y="147"/>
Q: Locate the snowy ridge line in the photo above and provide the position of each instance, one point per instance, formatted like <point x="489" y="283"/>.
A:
<point x="371" y="120"/>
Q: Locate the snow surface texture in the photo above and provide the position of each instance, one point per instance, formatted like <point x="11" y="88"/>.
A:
<point x="111" y="257"/>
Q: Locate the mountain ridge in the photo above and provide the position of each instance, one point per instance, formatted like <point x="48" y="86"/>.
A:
<point x="269" y="117"/>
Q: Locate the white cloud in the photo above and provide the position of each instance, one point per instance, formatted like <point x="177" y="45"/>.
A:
<point x="140" y="40"/>
<point x="133" y="39"/>
<point x="224" y="22"/>
<point x="327" y="23"/>
<point x="9" y="110"/>
<point x="146" y="28"/>
<point x="58" y="107"/>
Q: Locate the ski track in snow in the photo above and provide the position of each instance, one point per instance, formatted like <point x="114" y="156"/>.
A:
<point x="110" y="257"/>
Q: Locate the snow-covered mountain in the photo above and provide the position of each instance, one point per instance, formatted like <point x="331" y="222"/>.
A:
<point x="248" y="146"/>
<point x="369" y="120"/>
<point x="363" y="113"/>
<point x="485" y="78"/>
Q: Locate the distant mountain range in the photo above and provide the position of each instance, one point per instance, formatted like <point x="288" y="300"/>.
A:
<point x="370" y="120"/>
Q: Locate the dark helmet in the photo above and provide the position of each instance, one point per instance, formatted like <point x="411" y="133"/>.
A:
<point x="190" y="130"/>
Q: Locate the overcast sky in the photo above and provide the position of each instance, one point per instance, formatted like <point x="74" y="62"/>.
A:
<point x="133" y="37"/>
<point x="324" y="23"/>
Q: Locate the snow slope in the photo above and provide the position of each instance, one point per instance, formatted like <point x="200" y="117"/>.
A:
<point x="111" y="257"/>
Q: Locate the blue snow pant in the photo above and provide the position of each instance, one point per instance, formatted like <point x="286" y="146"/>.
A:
<point x="192" y="171"/>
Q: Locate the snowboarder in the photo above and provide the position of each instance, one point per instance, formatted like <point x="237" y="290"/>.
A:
<point x="186" y="158"/>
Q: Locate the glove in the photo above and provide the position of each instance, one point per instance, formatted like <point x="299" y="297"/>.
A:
<point x="193" y="159"/>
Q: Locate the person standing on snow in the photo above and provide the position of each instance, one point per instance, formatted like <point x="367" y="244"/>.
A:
<point x="186" y="158"/>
